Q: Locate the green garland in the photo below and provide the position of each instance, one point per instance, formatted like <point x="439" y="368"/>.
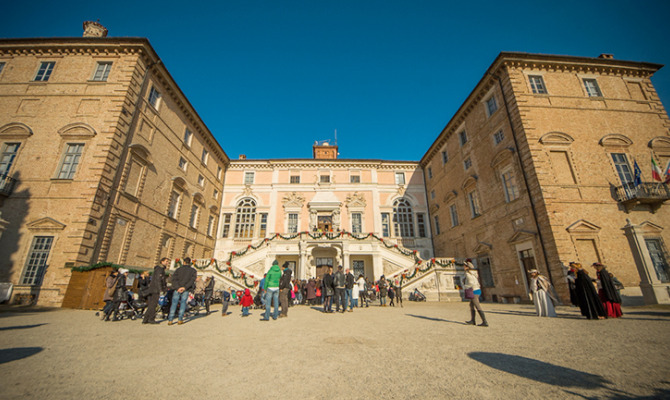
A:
<point x="85" y="268"/>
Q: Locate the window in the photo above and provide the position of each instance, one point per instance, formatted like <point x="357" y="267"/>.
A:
<point x="193" y="221"/>
<point x="491" y="106"/>
<point x="2" y="66"/>
<point x="245" y="219"/>
<point x="210" y="226"/>
<point x="293" y="223"/>
<point x="592" y="89"/>
<point x="430" y="173"/>
<point x="537" y="84"/>
<point x="358" y="267"/>
<point x="498" y="137"/>
<point x="473" y="199"/>
<point x="102" y="71"/>
<point x="219" y="172"/>
<point x="403" y="219"/>
<point x="467" y="164"/>
<point x="421" y="224"/>
<point x="436" y="222"/>
<point x="9" y="151"/>
<point x="657" y="253"/>
<point x="173" y="204"/>
<point x="509" y="185"/>
<point x="134" y="177"/>
<point x="386" y="225"/>
<point x="225" y="230"/>
<point x="249" y="178"/>
<point x="463" y="137"/>
<point x="484" y="267"/>
<point x="43" y="74"/>
<point x="623" y="169"/>
<point x="182" y="163"/>
<point x="154" y="97"/>
<point x="445" y="157"/>
<point x="295" y="179"/>
<point x="188" y="137"/>
<point x="355" y="179"/>
<point x="70" y="161"/>
<point x="324" y="179"/>
<point x="264" y="225"/>
<point x="454" y="215"/>
<point x="356" y="223"/>
<point x="562" y="167"/>
<point x="201" y="181"/>
<point x="37" y="260"/>
<point x="432" y="195"/>
<point x="399" y="178"/>
<point x="215" y="194"/>
<point x="205" y="156"/>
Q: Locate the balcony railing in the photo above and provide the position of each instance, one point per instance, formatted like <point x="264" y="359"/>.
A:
<point x="7" y="184"/>
<point x="647" y="192"/>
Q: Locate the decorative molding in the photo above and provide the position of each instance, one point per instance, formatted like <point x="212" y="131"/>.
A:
<point x="469" y="181"/>
<point x="355" y="200"/>
<point x="293" y="200"/>
<point x="451" y="195"/>
<point x="77" y="130"/>
<point x="46" y="224"/>
<point x="615" y="140"/>
<point x="522" y="236"/>
<point x="583" y="226"/>
<point x="502" y="156"/>
<point x="15" y="130"/>
<point x="142" y="152"/>
<point x="557" y="139"/>
<point x="659" y="143"/>
<point x="482" y="247"/>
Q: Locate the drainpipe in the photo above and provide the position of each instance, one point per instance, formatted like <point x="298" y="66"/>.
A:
<point x="525" y="177"/>
<point x="119" y="170"/>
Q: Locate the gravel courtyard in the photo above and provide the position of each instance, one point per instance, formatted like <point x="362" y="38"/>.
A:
<point x="421" y="351"/>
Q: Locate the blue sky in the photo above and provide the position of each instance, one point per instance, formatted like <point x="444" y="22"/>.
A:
<point x="270" y="77"/>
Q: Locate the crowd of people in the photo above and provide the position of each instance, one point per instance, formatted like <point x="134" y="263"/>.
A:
<point x="340" y="290"/>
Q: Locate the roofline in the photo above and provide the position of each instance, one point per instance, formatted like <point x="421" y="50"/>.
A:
<point x="325" y="161"/>
<point x="506" y="56"/>
<point x="106" y="41"/>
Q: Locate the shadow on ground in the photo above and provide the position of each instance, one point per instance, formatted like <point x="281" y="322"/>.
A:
<point x="17" y="353"/>
<point x="540" y="371"/>
<point x="8" y="328"/>
<point x="436" y="319"/>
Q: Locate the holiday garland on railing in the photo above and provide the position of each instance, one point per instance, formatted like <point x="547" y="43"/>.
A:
<point x="198" y="264"/>
<point x="85" y="268"/>
<point x="429" y="265"/>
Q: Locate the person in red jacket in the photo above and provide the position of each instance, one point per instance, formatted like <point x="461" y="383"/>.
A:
<point x="246" y="302"/>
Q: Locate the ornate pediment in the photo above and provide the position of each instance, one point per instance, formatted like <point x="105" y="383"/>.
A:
<point x="355" y="200"/>
<point x="482" y="247"/>
<point x="15" y="130"/>
<point x="660" y="143"/>
<point x="557" y="139"/>
<point x="650" y="228"/>
<point x="77" y="130"/>
<point x="248" y="192"/>
<point x="522" y="236"/>
<point x="615" y="140"/>
<point x="293" y="200"/>
<point x="451" y="195"/>
<point x="583" y="226"/>
<point x="45" y="224"/>
<point x="502" y="156"/>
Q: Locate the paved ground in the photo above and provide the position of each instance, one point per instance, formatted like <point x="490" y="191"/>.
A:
<point x="421" y="351"/>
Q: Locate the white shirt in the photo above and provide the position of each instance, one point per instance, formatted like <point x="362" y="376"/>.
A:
<point x="361" y="284"/>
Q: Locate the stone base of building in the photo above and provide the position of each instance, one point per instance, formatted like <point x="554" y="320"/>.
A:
<point x="655" y="293"/>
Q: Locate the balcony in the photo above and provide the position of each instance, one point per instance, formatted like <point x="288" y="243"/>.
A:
<point x="652" y="193"/>
<point x="7" y="184"/>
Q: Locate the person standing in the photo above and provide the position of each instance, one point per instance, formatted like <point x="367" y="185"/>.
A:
<point x="156" y="286"/>
<point x="225" y="301"/>
<point x="398" y="294"/>
<point x="272" y="291"/>
<point x="471" y="285"/>
<point x="587" y="298"/>
<point x="119" y="294"/>
<point x="349" y="289"/>
<point x="246" y="301"/>
<point x="361" y="290"/>
<point x="572" y="287"/>
<point x="383" y="291"/>
<point x="183" y="282"/>
<point x="209" y="292"/>
<point x="607" y="292"/>
<point x="542" y="294"/>
<point x="391" y="294"/>
<point x="328" y="290"/>
<point x="284" y="289"/>
<point x="340" y="285"/>
<point x="311" y="292"/>
<point x="143" y="284"/>
<point x="108" y="297"/>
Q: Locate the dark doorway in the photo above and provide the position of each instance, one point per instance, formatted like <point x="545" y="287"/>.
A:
<point x="325" y="223"/>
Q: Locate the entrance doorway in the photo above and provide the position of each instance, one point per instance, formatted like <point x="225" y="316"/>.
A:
<point x="322" y="265"/>
<point x="658" y="259"/>
<point x="325" y="223"/>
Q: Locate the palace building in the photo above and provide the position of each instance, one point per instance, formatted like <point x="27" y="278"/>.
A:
<point x="104" y="160"/>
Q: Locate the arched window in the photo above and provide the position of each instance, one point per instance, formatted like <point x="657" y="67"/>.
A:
<point x="245" y="219"/>
<point x="403" y="219"/>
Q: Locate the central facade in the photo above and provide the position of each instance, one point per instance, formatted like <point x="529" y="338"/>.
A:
<point x="321" y="209"/>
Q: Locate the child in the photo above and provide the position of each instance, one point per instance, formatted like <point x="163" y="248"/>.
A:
<point x="246" y="302"/>
<point x="391" y="294"/>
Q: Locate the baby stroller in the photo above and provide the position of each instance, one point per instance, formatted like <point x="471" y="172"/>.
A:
<point x="257" y="301"/>
<point x="416" y="296"/>
<point x="131" y="308"/>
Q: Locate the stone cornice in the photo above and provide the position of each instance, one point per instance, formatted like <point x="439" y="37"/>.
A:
<point x="321" y="164"/>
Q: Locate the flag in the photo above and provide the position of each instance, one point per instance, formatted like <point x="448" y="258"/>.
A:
<point x="655" y="170"/>
<point x="667" y="173"/>
<point x="638" y="175"/>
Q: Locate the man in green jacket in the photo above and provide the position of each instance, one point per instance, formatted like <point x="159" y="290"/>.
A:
<point x="272" y="291"/>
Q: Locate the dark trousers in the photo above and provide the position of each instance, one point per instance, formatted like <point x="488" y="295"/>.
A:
<point x="340" y="299"/>
<point x="152" y="304"/>
<point x="283" y="300"/>
<point x="224" y="307"/>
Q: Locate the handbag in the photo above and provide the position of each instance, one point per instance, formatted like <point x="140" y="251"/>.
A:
<point x="469" y="293"/>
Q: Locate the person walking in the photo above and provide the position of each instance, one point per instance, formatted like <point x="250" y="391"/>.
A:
<point x="471" y="286"/>
<point x="108" y="297"/>
<point x="156" y="286"/>
<point x="119" y="295"/>
<point x="209" y="292"/>
<point x="272" y="291"/>
<point x="340" y="286"/>
<point x="542" y="294"/>
<point x="587" y="298"/>
<point x="183" y="282"/>
<point x="607" y="292"/>
<point x="349" y="282"/>
<point x="284" y="289"/>
<point x="328" y="290"/>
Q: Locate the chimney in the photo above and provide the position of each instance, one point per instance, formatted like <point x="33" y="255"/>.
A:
<point x="94" y="29"/>
<point x="606" y="56"/>
<point x="243" y="157"/>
